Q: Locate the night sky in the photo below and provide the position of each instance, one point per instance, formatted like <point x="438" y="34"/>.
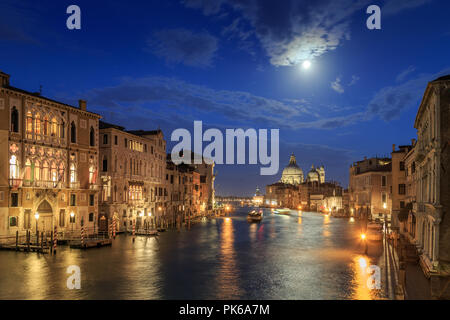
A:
<point x="237" y="64"/>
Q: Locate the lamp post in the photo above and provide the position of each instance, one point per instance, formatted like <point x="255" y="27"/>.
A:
<point x="36" y="216"/>
<point x="363" y="238"/>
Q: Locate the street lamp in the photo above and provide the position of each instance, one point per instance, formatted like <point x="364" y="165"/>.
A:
<point x="384" y="205"/>
<point x="363" y="238"/>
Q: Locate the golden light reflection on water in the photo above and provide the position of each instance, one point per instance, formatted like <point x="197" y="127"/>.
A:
<point x="299" y="220"/>
<point x="228" y="278"/>
<point x="362" y="290"/>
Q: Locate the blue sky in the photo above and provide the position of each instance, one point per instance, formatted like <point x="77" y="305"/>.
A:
<point x="237" y="64"/>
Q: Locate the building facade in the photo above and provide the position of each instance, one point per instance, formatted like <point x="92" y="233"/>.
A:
<point x="49" y="163"/>
<point x="369" y="188"/>
<point x="132" y="175"/>
<point x="432" y="170"/>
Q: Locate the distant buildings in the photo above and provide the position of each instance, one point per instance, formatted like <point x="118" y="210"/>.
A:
<point x="370" y="183"/>
<point x="293" y="191"/>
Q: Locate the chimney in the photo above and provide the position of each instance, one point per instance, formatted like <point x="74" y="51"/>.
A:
<point x="82" y="104"/>
<point x="393" y="148"/>
<point x="4" y="79"/>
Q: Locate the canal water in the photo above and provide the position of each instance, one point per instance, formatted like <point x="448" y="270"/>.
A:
<point x="304" y="255"/>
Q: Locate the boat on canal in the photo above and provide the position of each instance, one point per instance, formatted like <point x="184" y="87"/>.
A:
<point x="255" y="216"/>
<point x="284" y="211"/>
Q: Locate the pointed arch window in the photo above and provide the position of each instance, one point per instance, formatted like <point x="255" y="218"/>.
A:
<point x="37" y="124"/>
<point x="14" y="120"/>
<point x="54" y="172"/>
<point x="29" y="122"/>
<point x="27" y="170"/>
<point x="92" y="137"/>
<point x="37" y="170"/>
<point x="73" y="133"/>
<point x="62" y="130"/>
<point x="92" y="175"/>
<point x="46" y="125"/>
<point x="61" y="172"/>
<point x="54" y="127"/>
<point x="45" y="171"/>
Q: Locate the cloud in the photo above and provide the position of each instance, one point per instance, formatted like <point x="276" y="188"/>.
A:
<point x="395" y="6"/>
<point x="390" y="101"/>
<point x="172" y="96"/>
<point x="184" y="46"/>
<point x="354" y="80"/>
<point x="291" y="31"/>
<point x="337" y="86"/>
<point x="401" y="77"/>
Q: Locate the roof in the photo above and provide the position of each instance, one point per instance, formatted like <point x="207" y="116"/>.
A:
<point x="443" y="78"/>
<point x="144" y="132"/>
<point x="106" y="125"/>
<point x="38" y="95"/>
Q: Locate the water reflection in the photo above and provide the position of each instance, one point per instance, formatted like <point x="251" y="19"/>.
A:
<point x="302" y="256"/>
<point x="227" y="277"/>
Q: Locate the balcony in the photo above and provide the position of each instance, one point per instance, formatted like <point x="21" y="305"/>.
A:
<point x="94" y="186"/>
<point x="15" y="183"/>
<point x="45" y="184"/>
<point x="74" y="185"/>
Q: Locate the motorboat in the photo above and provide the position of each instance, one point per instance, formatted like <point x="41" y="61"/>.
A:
<point x="255" y="216"/>
<point x="284" y="211"/>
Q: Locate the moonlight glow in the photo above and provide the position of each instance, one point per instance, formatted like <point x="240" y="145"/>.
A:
<point x="306" y="64"/>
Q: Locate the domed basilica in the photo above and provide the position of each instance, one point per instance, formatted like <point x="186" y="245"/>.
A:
<point x="293" y="174"/>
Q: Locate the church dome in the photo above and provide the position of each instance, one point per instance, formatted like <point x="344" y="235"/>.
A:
<point x="313" y="175"/>
<point x="292" y="174"/>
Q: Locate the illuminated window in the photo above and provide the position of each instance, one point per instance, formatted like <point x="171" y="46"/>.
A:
<point x="28" y="170"/>
<point x="46" y="125"/>
<point x="73" y="173"/>
<point x="54" y="172"/>
<point x="29" y="122"/>
<point x="54" y="128"/>
<point x="37" y="171"/>
<point x="13" y="168"/>
<point x="37" y="124"/>
<point x="45" y="171"/>
<point x="92" y="174"/>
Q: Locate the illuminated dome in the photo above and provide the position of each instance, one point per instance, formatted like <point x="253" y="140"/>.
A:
<point x="292" y="174"/>
<point x="313" y="175"/>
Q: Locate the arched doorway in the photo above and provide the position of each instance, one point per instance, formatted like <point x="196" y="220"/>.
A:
<point x="45" y="220"/>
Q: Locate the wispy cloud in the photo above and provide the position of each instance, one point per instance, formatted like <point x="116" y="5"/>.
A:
<point x="184" y="46"/>
<point x="402" y="75"/>
<point x="337" y="86"/>
<point x="354" y="80"/>
<point x="291" y="31"/>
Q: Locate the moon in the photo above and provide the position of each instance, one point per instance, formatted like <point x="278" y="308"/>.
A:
<point x="306" y="64"/>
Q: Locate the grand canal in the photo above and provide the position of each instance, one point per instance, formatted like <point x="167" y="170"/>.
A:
<point x="302" y="256"/>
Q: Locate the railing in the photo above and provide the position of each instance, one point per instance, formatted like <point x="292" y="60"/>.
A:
<point x="94" y="186"/>
<point x="74" y="185"/>
<point x="15" y="183"/>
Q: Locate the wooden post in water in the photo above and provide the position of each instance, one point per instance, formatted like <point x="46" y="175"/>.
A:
<point x="42" y="242"/>
<point x="37" y="238"/>
<point x="28" y="240"/>
<point x="55" y="240"/>
<point x="134" y="230"/>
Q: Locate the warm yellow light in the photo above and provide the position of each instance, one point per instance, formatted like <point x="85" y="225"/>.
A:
<point x="362" y="263"/>
<point x="72" y="214"/>
<point x="159" y="208"/>
<point x="141" y="214"/>
<point x="384" y="205"/>
<point x="227" y="219"/>
<point x="36" y="215"/>
<point x="352" y="219"/>
<point x="363" y="236"/>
